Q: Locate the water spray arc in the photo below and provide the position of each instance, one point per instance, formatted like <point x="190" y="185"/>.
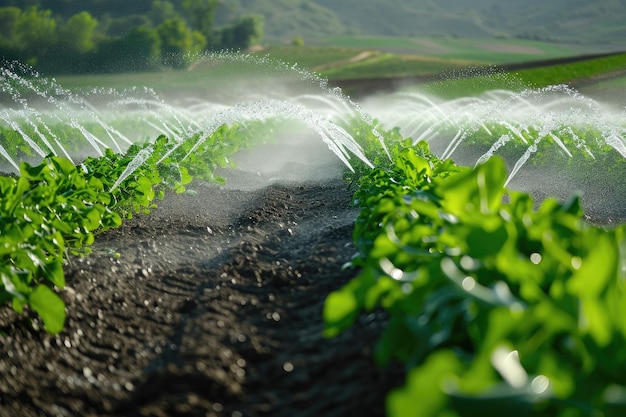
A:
<point x="502" y="119"/>
<point x="45" y="118"/>
<point x="103" y="110"/>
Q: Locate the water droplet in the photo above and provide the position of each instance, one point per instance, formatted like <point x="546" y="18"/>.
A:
<point x="468" y="283"/>
<point x="397" y="274"/>
<point x="535" y="258"/>
<point x="540" y="384"/>
<point x="577" y="262"/>
<point x="468" y="263"/>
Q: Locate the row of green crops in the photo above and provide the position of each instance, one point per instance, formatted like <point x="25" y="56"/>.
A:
<point x="482" y="80"/>
<point x="47" y="209"/>
<point x="573" y="151"/>
<point x="56" y="208"/>
<point x="494" y="308"/>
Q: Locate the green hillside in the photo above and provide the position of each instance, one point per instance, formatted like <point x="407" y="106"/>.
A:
<point x="570" y="21"/>
<point x="600" y="21"/>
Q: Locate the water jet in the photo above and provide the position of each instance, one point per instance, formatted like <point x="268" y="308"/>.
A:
<point x="532" y="129"/>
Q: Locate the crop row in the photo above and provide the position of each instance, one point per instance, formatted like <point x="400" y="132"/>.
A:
<point x="56" y="208"/>
<point x="494" y="308"/>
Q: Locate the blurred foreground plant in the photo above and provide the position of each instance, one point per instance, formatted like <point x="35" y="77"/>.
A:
<point x="493" y="307"/>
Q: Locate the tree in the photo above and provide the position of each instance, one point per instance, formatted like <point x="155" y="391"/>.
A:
<point x="201" y="15"/>
<point x="9" y="49"/>
<point x="77" y="35"/>
<point x="139" y="50"/>
<point x="8" y="20"/>
<point x="179" y="43"/>
<point x="144" y="44"/>
<point x="244" y="33"/>
<point x="120" y="26"/>
<point x="35" y="32"/>
<point x="162" y="10"/>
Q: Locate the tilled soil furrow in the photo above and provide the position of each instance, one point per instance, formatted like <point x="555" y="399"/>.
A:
<point x="204" y="317"/>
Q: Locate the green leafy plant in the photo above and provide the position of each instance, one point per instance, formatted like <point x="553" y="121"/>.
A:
<point x="492" y="306"/>
<point x="50" y="209"/>
<point x="56" y="208"/>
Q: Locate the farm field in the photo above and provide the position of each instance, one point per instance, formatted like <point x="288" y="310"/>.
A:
<point x="283" y="290"/>
<point x="485" y="51"/>
<point x="386" y="57"/>
<point x="354" y="58"/>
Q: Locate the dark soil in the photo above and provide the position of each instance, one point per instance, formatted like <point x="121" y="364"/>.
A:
<point x="214" y="308"/>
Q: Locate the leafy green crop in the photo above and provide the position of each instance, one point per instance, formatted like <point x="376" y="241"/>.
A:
<point x="49" y="209"/>
<point x="56" y="208"/>
<point x="492" y="306"/>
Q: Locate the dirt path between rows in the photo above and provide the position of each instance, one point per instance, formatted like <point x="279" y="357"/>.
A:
<point x="214" y="308"/>
<point x="357" y="58"/>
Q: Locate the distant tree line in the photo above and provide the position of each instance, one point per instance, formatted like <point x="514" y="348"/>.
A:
<point x="163" y="34"/>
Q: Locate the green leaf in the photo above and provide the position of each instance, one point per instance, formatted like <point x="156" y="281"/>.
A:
<point x="343" y="306"/>
<point x="63" y="165"/>
<point x="14" y="286"/>
<point x="54" y="273"/>
<point x="340" y="310"/>
<point x="596" y="320"/>
<point x="397" y="341"/>
<point x="594" y="271"/>
<point x="423" y="394"/>
<point x="480" y="189"/>
<point x="92" y="217"/>
<point x="33" y="173"/>
<point x="50" y="308"/>
<point x="487" y="240"/>
<point x="185" y="177"/>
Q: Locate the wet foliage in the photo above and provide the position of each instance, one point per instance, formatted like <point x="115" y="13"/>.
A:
<point x="56" y="208"/>
<point x="493" y="305"/>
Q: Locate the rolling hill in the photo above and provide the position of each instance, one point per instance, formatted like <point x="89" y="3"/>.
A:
<point x="568" y="21"/>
